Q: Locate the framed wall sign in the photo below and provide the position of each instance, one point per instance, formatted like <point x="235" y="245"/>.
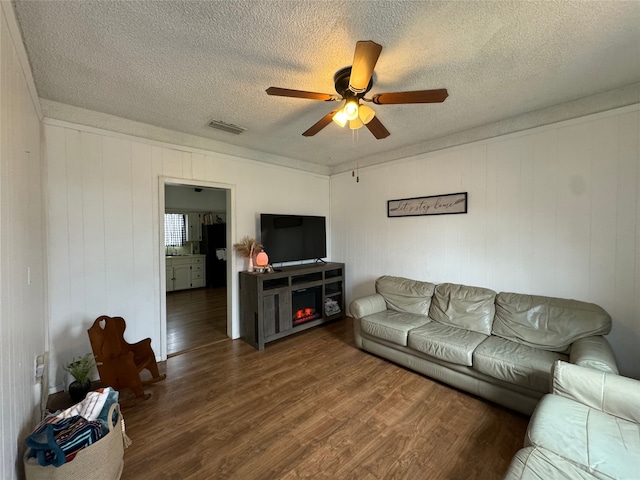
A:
<point x="449" y="204"/>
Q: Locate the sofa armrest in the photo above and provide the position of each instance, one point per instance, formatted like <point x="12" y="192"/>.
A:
<point x="607" y="392"/>
<point x="369" y="305"/>
<point x="593" y="352"/>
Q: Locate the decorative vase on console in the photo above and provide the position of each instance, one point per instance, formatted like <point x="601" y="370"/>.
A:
<point x="246" y="248"/>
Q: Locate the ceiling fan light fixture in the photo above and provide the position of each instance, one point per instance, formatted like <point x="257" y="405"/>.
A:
<point x="340" y="118"/>
<point x="351" y="109"/>
<point x="366" y="114"/>
<point x="351" y="84"/>
<point x="355" y="124"/>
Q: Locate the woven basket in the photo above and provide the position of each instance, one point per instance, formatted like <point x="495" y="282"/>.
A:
<point x="101" y="461"/>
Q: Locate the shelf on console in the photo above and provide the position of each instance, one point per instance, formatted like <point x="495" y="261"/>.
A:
<point x="337" y="272"/>
<point x="275" y="283"/>
<point x="306" y="278"/>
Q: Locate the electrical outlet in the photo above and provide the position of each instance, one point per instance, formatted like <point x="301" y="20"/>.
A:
<point x="39" y="366"/>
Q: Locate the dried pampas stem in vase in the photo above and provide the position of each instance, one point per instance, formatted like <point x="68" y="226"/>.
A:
<point x="247" y="248"/>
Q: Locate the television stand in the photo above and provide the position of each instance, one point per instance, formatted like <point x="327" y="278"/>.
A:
<point x="281" y="303"/>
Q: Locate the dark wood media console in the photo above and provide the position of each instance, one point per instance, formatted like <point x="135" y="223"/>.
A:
<point x="275" y="305"/>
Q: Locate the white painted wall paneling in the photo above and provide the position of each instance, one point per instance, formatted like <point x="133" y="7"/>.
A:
<point x="22" y="295"/>
<point x="104" y="251"/>
<point x="552" y="211"/>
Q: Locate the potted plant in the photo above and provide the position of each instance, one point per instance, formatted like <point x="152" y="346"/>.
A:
<point x="80" y="369"/>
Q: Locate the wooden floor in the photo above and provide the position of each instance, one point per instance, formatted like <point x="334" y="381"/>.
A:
<point x="195" y="318"/>
<point x="312" y="406"/>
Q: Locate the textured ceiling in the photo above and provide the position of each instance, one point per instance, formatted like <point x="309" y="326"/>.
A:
<point x="180" y="64"/>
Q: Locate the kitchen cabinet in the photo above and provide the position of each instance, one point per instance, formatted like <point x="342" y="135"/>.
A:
<point x="181" y="276"/>
<point x="185" y="271"/>
<point x="194" y="227"/>
<point x="169" y="277"/>
<point x="197" y="271"/>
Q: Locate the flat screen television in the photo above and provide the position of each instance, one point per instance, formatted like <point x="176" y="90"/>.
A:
<point x="289" y="238"/>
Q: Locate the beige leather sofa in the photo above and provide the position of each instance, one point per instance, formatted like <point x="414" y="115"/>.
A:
<point x="588" y="428"/>
<point x="501" y="347"/>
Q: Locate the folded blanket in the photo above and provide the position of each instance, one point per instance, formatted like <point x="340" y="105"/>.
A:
<point x="93" y="404"/>
<point x="61" y="435"/>
<point x="57" y="441"/>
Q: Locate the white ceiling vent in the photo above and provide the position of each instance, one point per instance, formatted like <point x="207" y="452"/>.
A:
<point x="226" y="127"/>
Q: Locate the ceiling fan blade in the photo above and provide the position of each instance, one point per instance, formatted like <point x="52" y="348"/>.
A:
<point x="320" y="124"/>
<point x="287" y="92"/>
<point x="364" y="61"/>
<point x="417" y="96"/>
<point x="379" y="131"/>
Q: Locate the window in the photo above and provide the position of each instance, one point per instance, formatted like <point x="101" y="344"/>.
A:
<point x="175" y="230"/>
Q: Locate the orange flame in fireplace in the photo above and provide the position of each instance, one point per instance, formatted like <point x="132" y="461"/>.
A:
<point x="304" y="312"/>
<point x="304" y="315"/>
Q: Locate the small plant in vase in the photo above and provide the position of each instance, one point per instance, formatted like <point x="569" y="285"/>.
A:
<point x="80" y="369"/>
<point x="247" y="248"/>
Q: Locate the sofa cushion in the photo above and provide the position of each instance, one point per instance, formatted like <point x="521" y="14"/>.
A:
<point x="605" y="445"/>
<point x="451" y="344"/>
<point x="516" y="363"/>
<point x="405" y="295"/>
<point x="535" y="463"/>
<point x="471" y="308"/>
<point x="547" y="322"/>
<point x="392" y="326"/>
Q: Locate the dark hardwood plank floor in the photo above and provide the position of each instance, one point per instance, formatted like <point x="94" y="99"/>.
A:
<point x="312" y="406"/>
<point x="195" y="318"/>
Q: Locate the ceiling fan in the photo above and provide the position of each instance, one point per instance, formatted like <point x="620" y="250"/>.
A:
<point x="352" y="83"/>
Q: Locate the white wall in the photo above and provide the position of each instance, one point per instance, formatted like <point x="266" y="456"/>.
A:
<point x="104" y="233"/>
<point x="552" y="211"/>
<point x="22" y="304"/>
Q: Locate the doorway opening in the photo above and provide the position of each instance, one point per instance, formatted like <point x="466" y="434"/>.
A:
<point x="197" y="295"/>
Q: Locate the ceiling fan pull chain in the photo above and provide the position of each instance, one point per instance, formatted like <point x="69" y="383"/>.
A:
<point x="354" y="142"/>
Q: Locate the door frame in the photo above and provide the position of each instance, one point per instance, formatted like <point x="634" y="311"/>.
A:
<point x="232" y="284"/>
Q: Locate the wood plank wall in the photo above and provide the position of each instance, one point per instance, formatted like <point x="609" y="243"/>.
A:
<point x="103" y="226"/>
<point x="22" y="267"/>
<point x="552" y="211"/>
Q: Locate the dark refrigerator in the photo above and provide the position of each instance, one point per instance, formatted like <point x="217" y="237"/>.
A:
<point x="214" y="246"/>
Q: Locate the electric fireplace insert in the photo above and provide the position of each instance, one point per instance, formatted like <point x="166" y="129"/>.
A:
<point x="306" y="305"/>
